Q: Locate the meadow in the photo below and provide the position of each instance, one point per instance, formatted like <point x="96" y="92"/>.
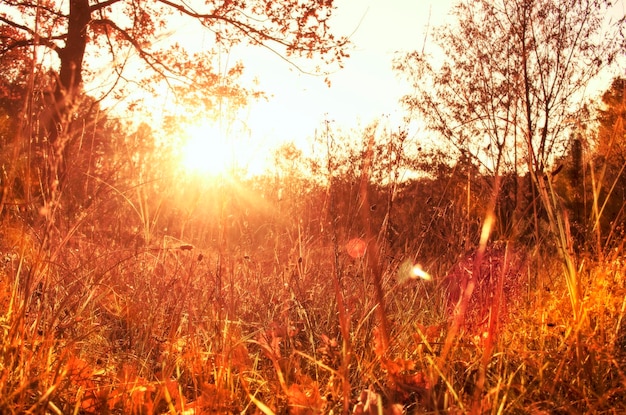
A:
<point x="469" y="259"/>
<point x="284" y="294"/>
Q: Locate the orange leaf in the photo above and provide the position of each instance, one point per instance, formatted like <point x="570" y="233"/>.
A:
<point x="304" y="400"/>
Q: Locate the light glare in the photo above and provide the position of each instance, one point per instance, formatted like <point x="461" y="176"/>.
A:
<point x="418" y="272"/>
<point x="409" y="270"/>
<point x="207" y="151"/>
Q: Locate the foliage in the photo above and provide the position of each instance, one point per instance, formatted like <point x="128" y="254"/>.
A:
<point x="591" y="181"/>
<point x="609" y="185"/>
<point x="109" y="29"/>
<point x="510" y="77"/>
<point x="510" y="82"/>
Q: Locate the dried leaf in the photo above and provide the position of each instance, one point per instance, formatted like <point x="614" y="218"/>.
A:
<point x="304" y="399"/>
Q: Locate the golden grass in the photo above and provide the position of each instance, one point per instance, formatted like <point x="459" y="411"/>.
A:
<point x="177" y="329"/>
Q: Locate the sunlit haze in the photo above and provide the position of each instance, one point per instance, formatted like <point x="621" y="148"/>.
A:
<point x="298" y="103"/>
<point x="365" y="89"/>
<point x="211" y="149"/>
<point x="207" y="151"/>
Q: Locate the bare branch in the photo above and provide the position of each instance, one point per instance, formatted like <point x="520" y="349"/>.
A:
<point x="104" y="4"/>
<point x="145" y="55"/>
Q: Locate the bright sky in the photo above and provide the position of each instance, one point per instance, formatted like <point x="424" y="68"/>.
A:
<point x="365" y="89"/>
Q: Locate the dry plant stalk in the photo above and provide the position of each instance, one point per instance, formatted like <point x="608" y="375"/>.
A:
<point x="491" y="331"/>
<point x="467" y="289"/>
<point x="344" y="320"/>
<point x="373" y="250"/>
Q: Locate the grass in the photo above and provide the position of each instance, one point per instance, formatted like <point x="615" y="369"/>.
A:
<point x="92" y="327"/>
<point x="133" y="301"/>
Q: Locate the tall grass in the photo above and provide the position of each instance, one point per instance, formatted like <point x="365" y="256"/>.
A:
<point x="241" y="309"/>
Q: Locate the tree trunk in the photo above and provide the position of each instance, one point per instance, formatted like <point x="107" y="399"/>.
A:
<point x="56" y="119"/>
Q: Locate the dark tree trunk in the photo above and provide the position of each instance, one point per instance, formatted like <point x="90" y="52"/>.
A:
<point x="74" y="51"/>
<point x="57" y="120"/>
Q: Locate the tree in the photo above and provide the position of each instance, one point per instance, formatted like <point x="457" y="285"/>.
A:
<point x="592" y="185"/>
<point x="511" y="82"/>
<point x="611" y="133"/>
<point x="81" y="33"/>
<point x="512" y="74"/>
<point x="609" y="185"/>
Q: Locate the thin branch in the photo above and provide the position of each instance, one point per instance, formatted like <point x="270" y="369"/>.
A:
<point x="39" y="6"/>
<point x="17" y="25"/>
<point x="100" y="6"/>
<point x="23" y="43"/>
<point x="249" y="31"/>
<point x="147" y="57"/>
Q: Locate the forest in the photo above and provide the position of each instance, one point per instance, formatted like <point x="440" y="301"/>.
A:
<point x="476" y="266"/>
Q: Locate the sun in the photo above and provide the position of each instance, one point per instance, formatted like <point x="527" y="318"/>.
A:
<point x="207" y="150"/>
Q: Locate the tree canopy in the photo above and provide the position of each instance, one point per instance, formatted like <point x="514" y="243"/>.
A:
<point x="110" y="29"/>
<point x="83" y="40"/>
<point x="511" y="76"/>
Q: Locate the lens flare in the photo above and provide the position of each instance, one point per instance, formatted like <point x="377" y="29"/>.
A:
<point x="418" y="272"/>
<point x="408" y="270"/>
<point x="356" y="247"/>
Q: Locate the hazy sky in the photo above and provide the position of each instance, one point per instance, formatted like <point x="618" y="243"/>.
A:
<point x="365" y="89"/>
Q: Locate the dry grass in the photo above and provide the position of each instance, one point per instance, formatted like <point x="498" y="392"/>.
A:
<point x="173" y="328"/>
<point x="162" y="296"/>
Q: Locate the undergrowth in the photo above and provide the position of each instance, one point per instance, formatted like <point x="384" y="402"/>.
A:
<point x="127" y="289"/>
<point x="176" y="328"/>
